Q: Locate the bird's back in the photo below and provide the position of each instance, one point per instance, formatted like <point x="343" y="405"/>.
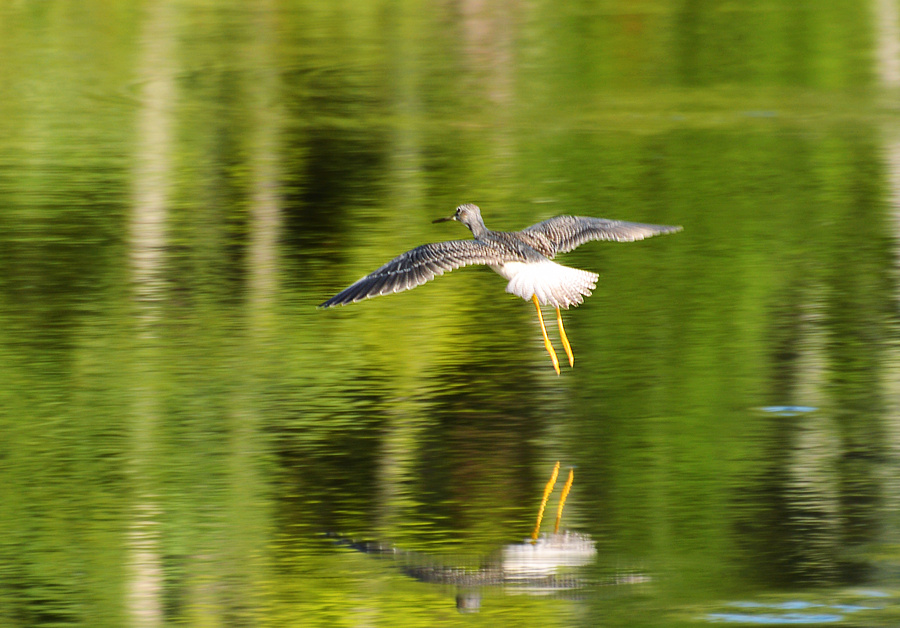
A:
<point x="524" y="245"/>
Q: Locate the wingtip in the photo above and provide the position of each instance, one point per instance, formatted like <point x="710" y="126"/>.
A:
<point x="667" y="229"/>
<point x="332" y="302"/>
<point x="336" y="302"/>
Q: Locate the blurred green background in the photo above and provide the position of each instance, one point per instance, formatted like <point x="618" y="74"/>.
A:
<point x="181" y="183"/>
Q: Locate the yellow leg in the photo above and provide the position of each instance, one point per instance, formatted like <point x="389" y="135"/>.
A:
<point x="562" y="500"/>
<point x="547" y="344"/>
<point x="565" y="340"/>
<point x="547" y="490"/>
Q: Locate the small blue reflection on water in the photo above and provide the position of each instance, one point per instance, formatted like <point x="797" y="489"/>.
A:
<point x="873" y="593"/>
<point x="792" y="606"/>
<point x="786" y="618"/>
<point x="850" y="608"/>
<point x="788" y="410"/>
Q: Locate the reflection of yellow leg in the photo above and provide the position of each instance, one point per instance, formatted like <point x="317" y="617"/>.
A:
<point x="547" y="344"/>
<point x="565" y="341"/>
<point x="562" y="499"/>
<point x="547" y="490"/>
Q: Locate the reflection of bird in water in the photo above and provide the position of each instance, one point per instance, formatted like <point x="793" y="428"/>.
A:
<point x="543" y="564"/>
<point x="554" y="564"/>
<point x="536" y="565"/>
<point x="524" y="258"/>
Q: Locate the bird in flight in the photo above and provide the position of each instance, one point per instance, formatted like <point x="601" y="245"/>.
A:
<point x="524" y="258"/>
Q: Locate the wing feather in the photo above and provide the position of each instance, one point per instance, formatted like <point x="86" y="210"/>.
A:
<point x="569" y="232"/>
<point x="418" y="266"/>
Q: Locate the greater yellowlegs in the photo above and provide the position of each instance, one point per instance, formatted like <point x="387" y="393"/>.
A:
<point x="521" y="257"/>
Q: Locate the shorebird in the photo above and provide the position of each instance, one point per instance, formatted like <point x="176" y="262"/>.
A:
<point x="523" y="258"/>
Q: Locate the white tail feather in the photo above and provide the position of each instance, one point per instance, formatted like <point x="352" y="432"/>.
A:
<point x="552" y="283"/>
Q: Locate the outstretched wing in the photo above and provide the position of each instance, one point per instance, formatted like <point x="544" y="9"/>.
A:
<point x="418" y="266"/>
<point x="569" y="232"/>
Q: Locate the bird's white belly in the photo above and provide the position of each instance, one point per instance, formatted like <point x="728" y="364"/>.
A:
<point x="552" y="283"/>
<point x="509" y="269"/>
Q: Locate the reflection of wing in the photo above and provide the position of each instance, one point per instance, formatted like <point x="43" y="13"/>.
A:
<point x="553" y="565"/>
<point x="418" y="266"/>
<point x="569" y="232"/>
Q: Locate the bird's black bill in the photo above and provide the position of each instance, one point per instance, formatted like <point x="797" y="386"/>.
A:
<point x="447" y="219"/>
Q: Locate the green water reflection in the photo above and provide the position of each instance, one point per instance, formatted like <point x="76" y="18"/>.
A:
<point x="181" y="184"/>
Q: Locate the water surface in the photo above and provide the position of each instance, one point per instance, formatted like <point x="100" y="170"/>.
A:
<point x="187" y="440"/>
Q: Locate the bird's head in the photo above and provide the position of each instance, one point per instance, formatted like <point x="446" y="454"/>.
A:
<point x="469" y="215"/>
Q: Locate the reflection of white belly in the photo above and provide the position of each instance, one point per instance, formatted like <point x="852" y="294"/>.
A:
<point x="548" y="555"/>
<point x="552" y="283"/>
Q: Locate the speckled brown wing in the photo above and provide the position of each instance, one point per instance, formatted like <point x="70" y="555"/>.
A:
<point x="569" y="232"/>
<point x="419" y="266"/>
